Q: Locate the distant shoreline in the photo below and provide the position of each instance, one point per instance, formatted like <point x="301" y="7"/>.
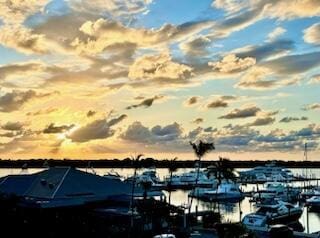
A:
<point x="147" y="162"/>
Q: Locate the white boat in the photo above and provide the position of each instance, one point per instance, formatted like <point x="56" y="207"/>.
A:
<point x="278" y="213"/>
<point x="277" y="190"/>
<point x="113" y="175"/>
<point x="269" y="172"/>
<point x="188" y="179"/>
<point x="148" y="176"/>
<point x="225" y="191"/>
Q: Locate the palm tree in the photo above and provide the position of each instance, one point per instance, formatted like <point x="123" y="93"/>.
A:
<point x="172" y="167"/>
<point x="134" y="161"/>
<point x="200" y="149"/>
<point x="221" y="169"/>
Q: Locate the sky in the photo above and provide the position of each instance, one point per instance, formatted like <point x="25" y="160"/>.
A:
<point x="90" y="79"/>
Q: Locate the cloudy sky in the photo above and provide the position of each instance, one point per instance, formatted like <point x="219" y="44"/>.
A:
<point x="112" y="78"/>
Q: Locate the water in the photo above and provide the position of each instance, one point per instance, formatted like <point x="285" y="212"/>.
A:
<point x="230" y="212"/>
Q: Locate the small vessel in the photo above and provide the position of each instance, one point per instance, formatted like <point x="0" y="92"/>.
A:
<point x="277" y="190"/>
<point x="113" y="175"/>
<point x="148" y="176"/>
<point x="225" y="191"/>
<point x="268" y="172"/>
<point x="188" y="179"/>
<point x="278" y="213"/>
<point x="314" y="201"/>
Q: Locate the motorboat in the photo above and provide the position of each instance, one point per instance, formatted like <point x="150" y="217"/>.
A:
<point x="148" y="176"/>
<point x="314" y="201"/>
<point x="268" y="172"/>
<point x="277" y="190"/>
<point x="190" y="179"/>
<point x="268" y="214"/>
<point x="224" y="191"/>
<point x="113" y="175"/>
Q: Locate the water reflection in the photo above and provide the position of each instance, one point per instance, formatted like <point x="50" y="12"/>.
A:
<point x="230" y="211"/>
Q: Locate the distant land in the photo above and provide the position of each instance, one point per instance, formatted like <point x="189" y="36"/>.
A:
<point x="145" y="163"/>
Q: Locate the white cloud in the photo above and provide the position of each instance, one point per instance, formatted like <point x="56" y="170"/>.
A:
<point x="312" y="34"/>
<point x="276" y="33"/>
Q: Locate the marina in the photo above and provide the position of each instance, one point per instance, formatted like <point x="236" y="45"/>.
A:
<point x="207" y="201"/>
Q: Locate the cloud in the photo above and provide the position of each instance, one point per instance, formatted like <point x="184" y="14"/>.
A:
<point x="217" y="103"/>
<point x="159" y="67"/>
<point x="278" y="31"/>
<point x="266" y="50"/>
<point x="14" y="100"/>
<point x="91" y="113"/>
<point x="293" y="64"/>
<point x="146" y="102"/>
<point x="24" y="40"/>
<point x="244" y="12"/>
<point x="12" y="126"/>
<point x="15" y="12"/>
<point x="9" y="69"/>
<point x="198" y="46"/>
<point x="138" y="133"/>
<point x="210" y="129"/>
<point x="43" y="111"/>
<point x="113" y="8"/>
<point x="198" y="120"/>
<point x="244" y="112"/>
<point x="192" y="101"/>
<point x="104" y="33"/>
<point x="262" y="121"/>
<point x="10" y="134"/>
<point x="313" y="106"/>
<point x="315" y="79"/>
<point x="312" y="34"/>
<point x="231" y="63"/>
<point x="98" y="129"/>
<point x="263" y="78"/>
<point x="290" y="119"/>
<point x="53" y="129"/>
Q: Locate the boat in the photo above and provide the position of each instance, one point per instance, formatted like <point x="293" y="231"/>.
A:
<point x="148" y="176"/>
<point x="190" y="179"/>
<point x="269" y="214"/>
<point x="113" y="175"/>
<point x="268" y="172"/>
<point x="277" y="190"/>
<point x="229" y="191"/>
<point x="314" y="201"/>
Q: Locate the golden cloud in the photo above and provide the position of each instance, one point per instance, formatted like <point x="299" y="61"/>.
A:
<point x="158" y="67"/>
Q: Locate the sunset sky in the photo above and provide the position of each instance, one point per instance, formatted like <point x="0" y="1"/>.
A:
<point x="113" y="78"/>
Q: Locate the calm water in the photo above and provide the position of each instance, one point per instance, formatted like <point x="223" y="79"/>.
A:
<point x="229" y="211"/>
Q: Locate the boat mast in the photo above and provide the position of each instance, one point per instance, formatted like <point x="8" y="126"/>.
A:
<point x="306" y="158"/>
